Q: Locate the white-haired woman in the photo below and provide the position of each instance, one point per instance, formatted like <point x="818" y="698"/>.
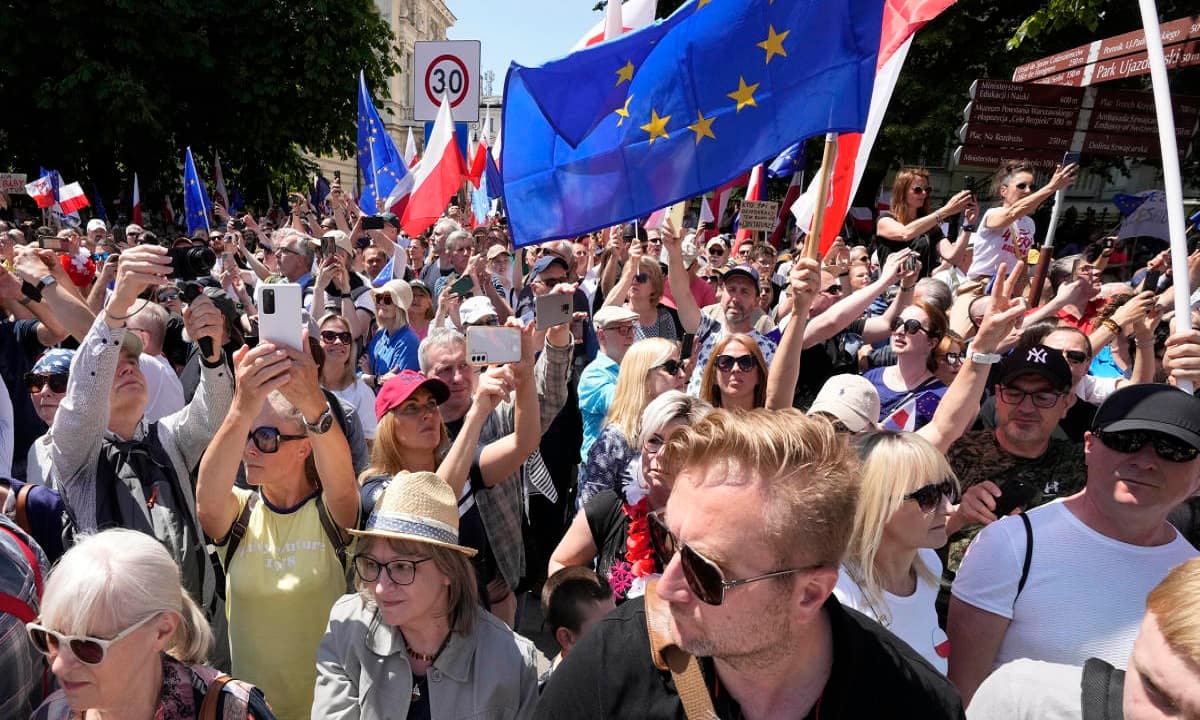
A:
<point x="126" y="641"/>
<point x="394" y="346"/>
<point x="413" y="642"/>
<point x="891" y="572"/>
<point x="611" y="527"/>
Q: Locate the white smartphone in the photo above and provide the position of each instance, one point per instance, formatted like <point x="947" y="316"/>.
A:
<point x="493" y="345"/>
<point x="280" y="318"/>
<point x="552" y="309"/>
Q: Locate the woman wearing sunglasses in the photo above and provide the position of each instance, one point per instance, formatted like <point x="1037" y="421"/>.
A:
<point x="338" y="373"/>
<point x="413" y="641"/>
<point x="126" y="641"/>
<point x="951" y="351"/>
<point x="285" y="570"/>
<point x="909" y="391"/>
<point x="911" y="223"/>
<point x="1005" y="234"/>
<point x="47" y="385"/>
<point x="394" y="346"/>
<point x="650" y="368"/>
<point x="611" y="527"/>
<point x="640" y="288"/>
<point x="736" y="375"/>
<point x="891" y="572"/>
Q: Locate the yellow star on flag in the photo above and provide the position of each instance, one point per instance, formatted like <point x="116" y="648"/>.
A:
<point x="774" y="43"/>
<point x="624" y="111"/>
<point x="702" y="127"/>
<point x="702" y="3"/>
<point x="657" y="127"/>
<point x="625" y="74"/>
<point x="744" y="95"/>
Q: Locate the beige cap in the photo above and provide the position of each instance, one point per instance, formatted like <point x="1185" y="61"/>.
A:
<point x="496" y="251"/>
<point x="611" y="315"/>
<point x="851" y="399"/>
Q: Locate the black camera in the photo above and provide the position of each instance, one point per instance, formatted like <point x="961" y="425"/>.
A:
<point x="191" y="262"/>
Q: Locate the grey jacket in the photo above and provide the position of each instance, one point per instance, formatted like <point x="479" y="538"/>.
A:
<point x="363" y="671"/>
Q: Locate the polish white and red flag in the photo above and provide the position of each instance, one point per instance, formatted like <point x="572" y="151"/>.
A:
<point x="71" y="198"/>
<point x="168" y="212"/>
<point x="410" y="150"/>
<point x="137" y="202"/>
<point x="755" y="190"/>
<point x="42" y="191"/>
<point x="901" y="19"/>
<point x="619" y="19"/>
<point x="220" y="197"/>
<point x="436" y="178"/>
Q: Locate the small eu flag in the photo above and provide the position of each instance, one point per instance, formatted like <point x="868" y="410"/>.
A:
<point x="381" y="164"/>
<point x="675" y="109"/>
<point x="196" y="204"/>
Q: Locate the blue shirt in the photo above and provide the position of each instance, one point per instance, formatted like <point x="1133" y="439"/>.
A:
<point x="1104" y="365"/>
<point x="597" y="385"/>
<point x="394" y="351"/>
<point x="904" y="409"/>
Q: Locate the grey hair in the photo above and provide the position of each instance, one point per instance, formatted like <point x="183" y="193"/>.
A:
<point x="671" y="405"/>
<point x="936" y="293"/>
<point x="114" y="579"/>
<point x="305" y="248"/>
<point x="1063" y="269"/>
<point x="437" y="338"/>
<point x="458" y="236"/>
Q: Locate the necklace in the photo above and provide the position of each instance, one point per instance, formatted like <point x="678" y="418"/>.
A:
<point x="422" y="656"/>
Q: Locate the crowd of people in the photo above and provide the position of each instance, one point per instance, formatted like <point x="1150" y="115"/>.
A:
<point x="729" y="479"/>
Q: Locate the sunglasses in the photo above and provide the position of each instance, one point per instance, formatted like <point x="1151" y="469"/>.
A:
<point x="332" y="336"/>
<point x="716" y="251"/>
<point x="919" y="190"/>
<point x="670" y="367"/>
<point x="834" y="289"/>
<point x="911" y="326"/>
<point x="1024" y="186"/>
<point x="641" y="278"/>
<point x="267" y="438"/>
<point x="552" y="282"/>
<point x="36" y="381"/>
<point x="654" y="443"/>
<point x="953" y="358"/>
<point x="383" y="299"/>
<point x="1075" y="357"/>
<point x="745" y="363"/>
<point x="1041" y="399"/>
<point x="167" y="296"/>
<point x="400" y="572"/>
<point x="1166" y="447"/>
<point x="86" y="649"/>
<point x="704" y="578"/>
<point x="929" y="496"/>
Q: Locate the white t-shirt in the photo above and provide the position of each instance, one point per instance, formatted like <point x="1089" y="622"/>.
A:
<point x="1085" y="594"/>
<point x="163" y="387"/>
<point x="1030" y="690"/>
<point x="995" y="245"/>
<point x="913" y="618"/>
<point x="363" y="400"/>
<point x="1096" y="389"/>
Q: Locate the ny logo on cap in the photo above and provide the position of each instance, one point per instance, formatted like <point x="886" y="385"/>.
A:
<point x="1036" y="355"/>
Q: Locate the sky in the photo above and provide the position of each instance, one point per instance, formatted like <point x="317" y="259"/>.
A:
<point x="526" y="31"/>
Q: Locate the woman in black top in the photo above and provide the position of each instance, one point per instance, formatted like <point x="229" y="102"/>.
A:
<point x="912" y="224"/>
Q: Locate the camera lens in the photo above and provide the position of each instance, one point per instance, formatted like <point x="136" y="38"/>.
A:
<point x="191" y="262"/>
<point x="268" y="297"/>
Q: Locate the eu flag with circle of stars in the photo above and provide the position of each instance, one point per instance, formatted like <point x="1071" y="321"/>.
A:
<point x="196" y="204"/>
<point x="671" y="111"/>
<point x="382" y="166"/>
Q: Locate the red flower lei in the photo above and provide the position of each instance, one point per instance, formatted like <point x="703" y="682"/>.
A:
<point x="638" y="550"/>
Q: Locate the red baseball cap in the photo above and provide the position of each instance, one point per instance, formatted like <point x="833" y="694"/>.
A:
<point x="402" y="386"/>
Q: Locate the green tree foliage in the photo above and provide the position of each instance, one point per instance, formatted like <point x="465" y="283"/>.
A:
<point x="103" y="88"/>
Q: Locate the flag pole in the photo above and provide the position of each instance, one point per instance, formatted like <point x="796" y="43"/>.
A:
<point x="812" y="243"/>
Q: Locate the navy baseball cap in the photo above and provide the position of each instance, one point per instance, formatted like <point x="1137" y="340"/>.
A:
<point x="545" y="261"/>
<point x="746" y="271"/>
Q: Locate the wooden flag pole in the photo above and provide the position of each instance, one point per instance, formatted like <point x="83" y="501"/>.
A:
<point x="812" y="243"/>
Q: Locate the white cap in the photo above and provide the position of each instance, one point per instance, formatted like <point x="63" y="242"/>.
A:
<point x="96" y="224"/>
<point x="474" y="309"/>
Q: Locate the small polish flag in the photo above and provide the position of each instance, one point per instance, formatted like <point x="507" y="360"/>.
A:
<point x="71" y="198"/>
<point x="619" y="19"/>
<point x="410" y="150"/>
<point x="42" y="191"/>
<point x="168" y="212"/>
<point x="220" y="197"/>
<point x="478" y="162"/>
<point x="755" y="190"/>
<point x="137" y="202"/>
<point x="437" y="177"/>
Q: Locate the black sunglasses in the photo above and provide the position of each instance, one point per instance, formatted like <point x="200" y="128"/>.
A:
<point x="725" y="363"/>
<point x="332" y="336"/>
<point x="36" y="381"/>
<point x="704" y="578"/>
<point x="1166" y="447"/>
<point x="267" y="438"/>
<point x="716" y="251"/>
<point x="1075" y="357"/>
<point x="1024" y="186"/>
<point x="383" y="299"/>
<point x="670" y="367"/>
<point x="919" y="190"/>
<point x="911" y="326"/>
<point x="641" y="278"/>
<point x="929" y="496"/>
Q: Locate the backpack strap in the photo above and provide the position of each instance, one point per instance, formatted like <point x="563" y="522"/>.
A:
<point x="30" y="556"/>
<point x="238" y="531"/>
<point x="1028" y="555"/>
<point x="685" y="669"/>
<point x="1102" y="690"/>
<point x="208" y="709"/>
<point x="22" y="515"/>
<point x="336" y="534"/>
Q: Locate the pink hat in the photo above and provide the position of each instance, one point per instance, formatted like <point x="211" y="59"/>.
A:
<point x="402" y="386"/>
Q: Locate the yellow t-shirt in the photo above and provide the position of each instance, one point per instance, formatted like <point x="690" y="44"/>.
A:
<point x="283" y="581"/>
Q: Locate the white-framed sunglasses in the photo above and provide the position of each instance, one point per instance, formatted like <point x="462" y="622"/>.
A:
<point x="86" y="649"/>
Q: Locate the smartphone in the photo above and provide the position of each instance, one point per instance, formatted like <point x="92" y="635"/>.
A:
<point x="337" y="175"/>
<point x="910" y="263"/>
<point x="51" y="243"/>
<point x="280" y="318"/>
<point x="493" y="345"/>
<point x="462" y="286"/>
<point x="327" y="246"/>
<point x="551" y="310"/>
<point x="372" y="222"/>
<point x="685" y="347"/>
<point x="969" y="183"/>
<point x="1150" y="281"/>
<point x="1014" y="493"/>
<point x="1070" y="158"/>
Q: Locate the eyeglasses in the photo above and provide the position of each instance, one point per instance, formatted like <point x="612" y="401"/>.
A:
<point x="670" y="367"/>
<point x="280" y="252"/>
<point x="953" y="358"/>
<point x="415" y="409"/>
<point x="551" y="281"/>
<point x="623" y="330"/>
<point x="919" y="190"/>
<point x="834" y="289"/>
<point x="703" y="576"/>
<point x="86" y="649"/>
<point x="653" y="444"/>
<point x="1075" y="357"/>
<point x="400" y="572"/>
<point x="1041" y="399"/>
<point x="745" y="363"/>
<point x="36" y="381"/>
<point x="267" y="438"/>
<point x="929" y="496"/>
<point x="641" y="278"/>
<point x="167" y="296"/>
<point x="1024" y="186"/>
<point x="1166" y="447"/>
<point x="332" y="336"/>
<point x="383" y="299"/>
<point x="911" y="326"/>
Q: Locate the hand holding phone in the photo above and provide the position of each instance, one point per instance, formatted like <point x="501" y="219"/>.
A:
<point x="280" y="316"/>
<point x="493" y="345"/>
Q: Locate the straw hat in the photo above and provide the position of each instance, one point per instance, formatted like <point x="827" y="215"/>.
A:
<point x="419" y="507"/>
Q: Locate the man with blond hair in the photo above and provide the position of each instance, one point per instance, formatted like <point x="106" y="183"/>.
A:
<point x="750" y="542"/>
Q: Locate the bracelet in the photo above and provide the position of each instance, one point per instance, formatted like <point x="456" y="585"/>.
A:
<point x="937" y="215"/>
<point x="1112" y="326"/>
<point x="126" y="317"/>
<point x="906" y="289"/>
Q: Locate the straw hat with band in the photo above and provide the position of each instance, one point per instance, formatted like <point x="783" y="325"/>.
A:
<point x="417" y="507"/>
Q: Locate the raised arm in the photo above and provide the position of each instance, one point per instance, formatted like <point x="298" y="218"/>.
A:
<point x="500" y="459"/>
<point x="892" y="229"/>
<point x="677" y="276"/>
<point x="1004" y="216"/>
<point x="803" y="280"/>
<point x="194" y="426"/>
<point x="619" y="291"/>
<point x="850" y="308"/>
<point x="494" y="386"/>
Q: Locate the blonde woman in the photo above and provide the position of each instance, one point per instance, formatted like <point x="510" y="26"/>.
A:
<point x="891" y="572"/>
<point x="640" y="288"/>
<point x="650" y="368"/>
<point x="338" y="372"/>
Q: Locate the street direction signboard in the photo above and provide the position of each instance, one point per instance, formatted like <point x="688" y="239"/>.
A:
<point x="1033" y="116"/>
<point x="1016" y="137"/>
<point x="446" y="68"/>
<point x="1173" y="32"/>
<point x="1011" y="93"/>
<point x="993" y="157"/>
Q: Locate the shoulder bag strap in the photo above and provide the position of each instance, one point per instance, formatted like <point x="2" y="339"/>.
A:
<point x="22" y="516"/>
<point x="238" y="531"/>
<point x="208" y="710"/>
<point x="685" y="669"/>
<point x="336" y="535"/>
<point x="1028" y="555"/>
<point x="34" y="566"/>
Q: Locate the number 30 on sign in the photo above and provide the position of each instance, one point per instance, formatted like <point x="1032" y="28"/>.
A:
<point x="446" y="69"/>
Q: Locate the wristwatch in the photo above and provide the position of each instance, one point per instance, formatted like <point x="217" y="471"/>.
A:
<point x="968" y="227"/>
<point x="986" y="358"/>
<point x="46" y="282"/>
<point x="323" y="423"/>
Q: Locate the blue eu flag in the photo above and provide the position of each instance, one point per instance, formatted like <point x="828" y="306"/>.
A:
<point x="382" y="166"/>
<point x="196" y="204"/>
<point x="788" y="162"/>
<point x="675" y="109"/>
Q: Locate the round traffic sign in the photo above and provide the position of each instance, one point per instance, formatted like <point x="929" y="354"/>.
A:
<point x="447" y="75"/>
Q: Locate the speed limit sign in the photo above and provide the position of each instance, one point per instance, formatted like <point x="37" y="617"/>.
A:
<point x="450" y="69"/>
